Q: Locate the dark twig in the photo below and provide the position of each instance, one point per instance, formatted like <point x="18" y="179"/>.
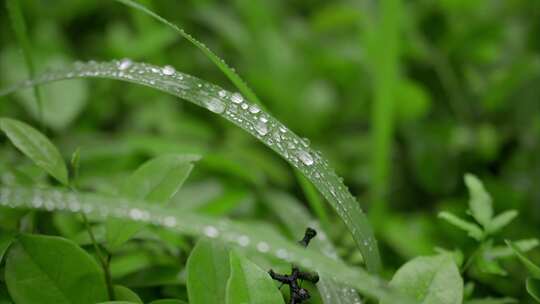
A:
<point x="297" y="293"/>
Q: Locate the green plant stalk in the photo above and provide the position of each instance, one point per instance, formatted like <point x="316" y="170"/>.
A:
<point x="384" y="53"/>
<point x="21" y="33"/>
<point x="105" y="262"/>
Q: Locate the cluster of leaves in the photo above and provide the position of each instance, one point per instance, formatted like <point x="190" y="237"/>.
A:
<point x="466" y="100"/>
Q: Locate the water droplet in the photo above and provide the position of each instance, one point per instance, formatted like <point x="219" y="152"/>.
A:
<point x="305" y="157"/>
<point x="281" y="253"/>
<point x="125" y="64"/>
<point x="135" y="214"/>
<point x="215" y="105"/>
<point x="222" y="93"/>
<point x="169" y="221"/>
<point x="211" y="231"/>
<point x="243" y="240"/>
<point x="261" y="128"/>
<point x="244" y="106"/>
<point x="237" y="98"/>
<point x="168" y="70"/>
<point x="254" y="109"/>
<point x="282" y="129"/>
<point x="263" y="247"/>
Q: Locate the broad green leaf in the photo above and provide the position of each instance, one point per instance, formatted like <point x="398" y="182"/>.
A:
<point x="479" y="200"/>
<point x="291" y="147"/>
<point x="156" y="181"/>
<point x="430" y="280"/>
<point x="45" y="269"/>
<point x="207" y="272"/>
<point x="250" y="237"/>
<point x="4" y="295"/>
<point x="35" y="146"/>
<point x="248" y="284"/>
<point x="533" y="269"/>
<point x="168" y="301"/>
<point x="473" y="230"/>
<point x="501" y="220"/>
<point x="5" y="241"/>
<point x="122" y="293"/>
<point x="533" y="288"/>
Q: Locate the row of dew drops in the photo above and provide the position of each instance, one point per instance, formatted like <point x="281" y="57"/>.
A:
<point x="55" y="200"/>
<point x="232" y="106"/>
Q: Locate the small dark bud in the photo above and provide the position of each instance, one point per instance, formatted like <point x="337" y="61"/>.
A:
<point x="308" y="235"/>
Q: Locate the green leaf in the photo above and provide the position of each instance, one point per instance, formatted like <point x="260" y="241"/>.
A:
<point x="533" y="288"/>
<point x="292" y="147"/>
<point x="430" y="280"/>
<point x="156" y="181"/>
<point x="250" y="284"/>
<point x="473" y="230"/>
<point x="5" y="241"/>
<point x="21" y="32"/>
<point x="168" y="301"/>
<point x="207" y="272"/>
<point x="45" y="269"/>
<point x="501" y="220"/>
<point x="122" y="293"/>
<point x="533" y="269"/>
<point x="498" y="252"/>
<point x="35" y="146"/>
<point x="480" y="201"/>
<point x="4" y="295"/>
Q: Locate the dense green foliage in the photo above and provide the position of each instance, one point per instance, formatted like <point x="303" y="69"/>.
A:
<point x="167" y="203"/>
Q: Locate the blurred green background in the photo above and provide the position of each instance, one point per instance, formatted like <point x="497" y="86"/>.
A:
<point x="403" y="97"/>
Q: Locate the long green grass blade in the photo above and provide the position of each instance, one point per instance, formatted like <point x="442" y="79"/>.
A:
<point x="220" y="63"/>
<point x="384" y="56"/>
<point x="314" y="200"/>
<point x="249" y="237"/>
<point x="19" y="27"/>
<point x="249" y="117"/>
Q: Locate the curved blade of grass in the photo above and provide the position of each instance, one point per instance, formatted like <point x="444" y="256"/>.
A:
<point x="313" y="197"/>
<point x="296" y="218"/>
<point x="249" y="237"/>
<point x="220" y="63"/>
<point x="247" y="116"/>
<point x="19" y="27"/>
